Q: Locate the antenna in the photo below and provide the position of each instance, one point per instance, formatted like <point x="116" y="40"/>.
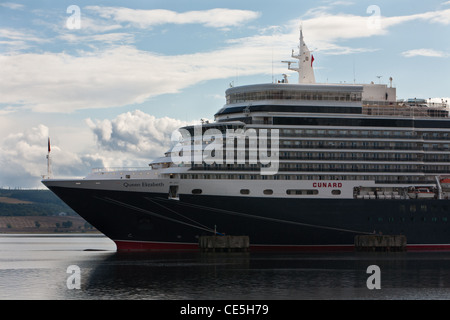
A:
<point x="272" y="66"/>
<point x="288" y="63"/>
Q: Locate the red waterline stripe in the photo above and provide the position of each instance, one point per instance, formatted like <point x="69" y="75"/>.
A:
<point x="428" y="247"/>
<point x="154" y="246"/>
<point x="172" y="246"/>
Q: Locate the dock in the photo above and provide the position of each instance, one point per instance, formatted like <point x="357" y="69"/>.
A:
<point x="383" y="243"/>
<point x="224" y="243"/>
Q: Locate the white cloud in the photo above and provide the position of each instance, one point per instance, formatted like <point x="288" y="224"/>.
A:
<point x="215" y="18"/>
<point x="140" y="135"/>
<point x="124" y="75"/>
<point x="26" y="35"/>
<point x="324" y="30"/>
<point x="24" y="156"/>
<point x="425" y="53"/>
<point x="97" y="25"/>
<point x="73" y="152"/>
<point x="59" y="82"/>
<point x="110" y="38"/>
<point x="12" y="5"/>
<point x="326" y="27"/>
<point x="18" y="40"/>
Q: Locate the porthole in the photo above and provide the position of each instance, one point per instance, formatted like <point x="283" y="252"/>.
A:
<point x="268" y="192"/>
<point x="245" y="191"/>
<point x="197" y="191"/>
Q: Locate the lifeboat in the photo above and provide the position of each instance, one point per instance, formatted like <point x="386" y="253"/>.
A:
<point x="445" y="183"/>
<point x="421" y="193"/>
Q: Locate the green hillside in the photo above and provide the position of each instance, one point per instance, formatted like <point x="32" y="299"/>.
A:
<point x="17" y="202"/>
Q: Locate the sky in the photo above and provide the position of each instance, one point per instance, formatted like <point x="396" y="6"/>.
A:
<point x="110" y="81"/>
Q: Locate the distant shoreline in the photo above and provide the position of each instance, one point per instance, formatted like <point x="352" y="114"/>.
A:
<point x="45" y="225"/>
<point x="53" y="235"/>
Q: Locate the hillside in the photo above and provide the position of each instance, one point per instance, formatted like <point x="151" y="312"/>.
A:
<point x="17" y="202"/>
<point x="31" y="211"/>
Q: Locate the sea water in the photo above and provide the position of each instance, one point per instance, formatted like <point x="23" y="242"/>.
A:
<point x="87" y="267"/>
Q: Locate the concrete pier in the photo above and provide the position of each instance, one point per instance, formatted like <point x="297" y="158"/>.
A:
<point x="376" y="243"/>
<point x="224" y="243"/>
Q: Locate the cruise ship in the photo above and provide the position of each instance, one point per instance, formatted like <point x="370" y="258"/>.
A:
<point x="294" y="166"/>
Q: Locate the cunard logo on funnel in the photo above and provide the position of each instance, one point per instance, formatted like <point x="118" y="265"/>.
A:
<point x="214" y="149"/>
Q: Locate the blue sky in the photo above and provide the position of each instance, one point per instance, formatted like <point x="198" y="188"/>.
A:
<point x="111" y="91"/>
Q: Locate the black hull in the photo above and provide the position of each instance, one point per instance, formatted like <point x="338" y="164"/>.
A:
<point x="136" y="220"/>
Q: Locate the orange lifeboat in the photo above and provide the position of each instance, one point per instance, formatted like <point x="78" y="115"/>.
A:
<point x="445" y="183"/>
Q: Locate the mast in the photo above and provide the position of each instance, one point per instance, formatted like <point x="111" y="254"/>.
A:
<point x="49" y="161"/>
<point x="305" y="62"/>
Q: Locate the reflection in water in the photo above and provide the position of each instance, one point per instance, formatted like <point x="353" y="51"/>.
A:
<point x="168" y="275"/>
<point x="36" y="268"/>
<point x="268" y="276"/>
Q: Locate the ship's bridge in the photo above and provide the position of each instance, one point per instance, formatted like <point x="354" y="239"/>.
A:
<point x="286" y="97"/>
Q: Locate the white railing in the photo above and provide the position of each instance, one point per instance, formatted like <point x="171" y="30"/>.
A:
<point x="119" y="169"/>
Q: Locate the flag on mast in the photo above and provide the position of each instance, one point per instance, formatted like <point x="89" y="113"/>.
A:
<point x="49" y="149"/>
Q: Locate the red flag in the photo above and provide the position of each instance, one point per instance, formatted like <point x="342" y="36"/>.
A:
<point x="312" y="60"/>
<point x="49" y="145"/>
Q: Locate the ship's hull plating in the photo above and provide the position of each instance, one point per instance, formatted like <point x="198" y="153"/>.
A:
<point x="152" y="221"/>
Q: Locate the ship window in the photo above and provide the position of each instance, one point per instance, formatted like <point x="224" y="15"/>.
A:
<point x="301" y="192"/>
<point x="268" y="192"/>
<point x="336" y="192"/>
<point x="197" y="191"/>
<point x="245" y="191"/>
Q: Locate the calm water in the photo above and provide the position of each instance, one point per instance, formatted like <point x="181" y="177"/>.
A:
<point x="35" y="267"/>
